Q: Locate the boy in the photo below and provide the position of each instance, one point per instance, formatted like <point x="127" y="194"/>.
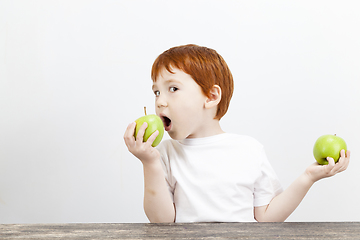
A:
<point x="203" y="174"/>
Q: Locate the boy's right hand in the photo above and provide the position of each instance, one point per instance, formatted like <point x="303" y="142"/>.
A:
<point x="142" y="150"/>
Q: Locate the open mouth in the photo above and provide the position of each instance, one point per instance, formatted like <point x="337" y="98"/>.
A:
<point x="167" y="123"/>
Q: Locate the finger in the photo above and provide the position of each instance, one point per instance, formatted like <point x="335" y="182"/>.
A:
<point x="331" y="161"/>
<point x="344" y="160"/>
<point x="348" y="154"/>
<point x="347" y="158"/>
<point x="342" y="157"/>
<point x="340" y="164"/>
<point x="129" y="134"/>
<point x="140" y="134"/>
<point x="152" y="138"/>
<point x="331" y="164"/>
<point x="342" y="154"/>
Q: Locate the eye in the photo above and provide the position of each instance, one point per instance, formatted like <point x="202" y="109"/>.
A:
<point x="173" y="89"/>
<point x="157" y="93"/>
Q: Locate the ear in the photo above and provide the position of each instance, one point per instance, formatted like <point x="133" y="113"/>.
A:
<point x="214" y="97"/>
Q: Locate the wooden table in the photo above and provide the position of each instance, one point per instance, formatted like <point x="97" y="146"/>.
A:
<point x="288" y="230"/>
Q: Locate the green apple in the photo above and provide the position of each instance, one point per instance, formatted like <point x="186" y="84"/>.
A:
<point x="154" y="123"/>
<point x="328" y="146"/>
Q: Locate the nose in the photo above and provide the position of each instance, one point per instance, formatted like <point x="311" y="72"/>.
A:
<point x="161" y="101"/>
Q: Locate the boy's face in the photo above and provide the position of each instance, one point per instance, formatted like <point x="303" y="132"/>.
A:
<point x="179" y="101"/>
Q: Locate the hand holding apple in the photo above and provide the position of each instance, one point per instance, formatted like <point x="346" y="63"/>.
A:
<point x="154" y="123"/>
<point x="328" y="146"/>
<point x="316" y="171"/>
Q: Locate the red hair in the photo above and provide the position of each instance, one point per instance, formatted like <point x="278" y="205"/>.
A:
<point x="204" y="65"/>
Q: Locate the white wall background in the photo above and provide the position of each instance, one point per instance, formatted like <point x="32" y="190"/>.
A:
<point x="74" y="74"/>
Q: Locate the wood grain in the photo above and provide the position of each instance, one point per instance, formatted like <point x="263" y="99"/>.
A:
<point x="289" y="230"/>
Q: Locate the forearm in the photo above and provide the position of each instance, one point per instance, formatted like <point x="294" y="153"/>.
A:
<point x="285" y="203"/>
<point x="158" y="205"/>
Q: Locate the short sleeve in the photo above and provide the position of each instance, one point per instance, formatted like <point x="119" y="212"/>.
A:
<point x="267" y="185"/>
<point x="165" y="162"/>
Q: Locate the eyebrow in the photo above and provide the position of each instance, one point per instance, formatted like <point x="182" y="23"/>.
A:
<point x="167" y="81"/>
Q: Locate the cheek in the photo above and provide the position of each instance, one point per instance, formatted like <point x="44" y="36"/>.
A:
<point x="190" y="112"/>
<point x="195" y="104"/>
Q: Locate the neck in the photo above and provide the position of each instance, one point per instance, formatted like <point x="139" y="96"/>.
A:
<point x="210" y="128"/>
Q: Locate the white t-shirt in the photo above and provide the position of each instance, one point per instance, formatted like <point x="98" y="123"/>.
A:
<point x="219" y="178"/>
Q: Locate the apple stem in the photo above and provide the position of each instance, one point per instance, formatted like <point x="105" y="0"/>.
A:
<point x="145" y="110"/>
<point x="335" y="134"/>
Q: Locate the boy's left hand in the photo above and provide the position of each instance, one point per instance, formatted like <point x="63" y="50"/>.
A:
<point x="317" y="172"/>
